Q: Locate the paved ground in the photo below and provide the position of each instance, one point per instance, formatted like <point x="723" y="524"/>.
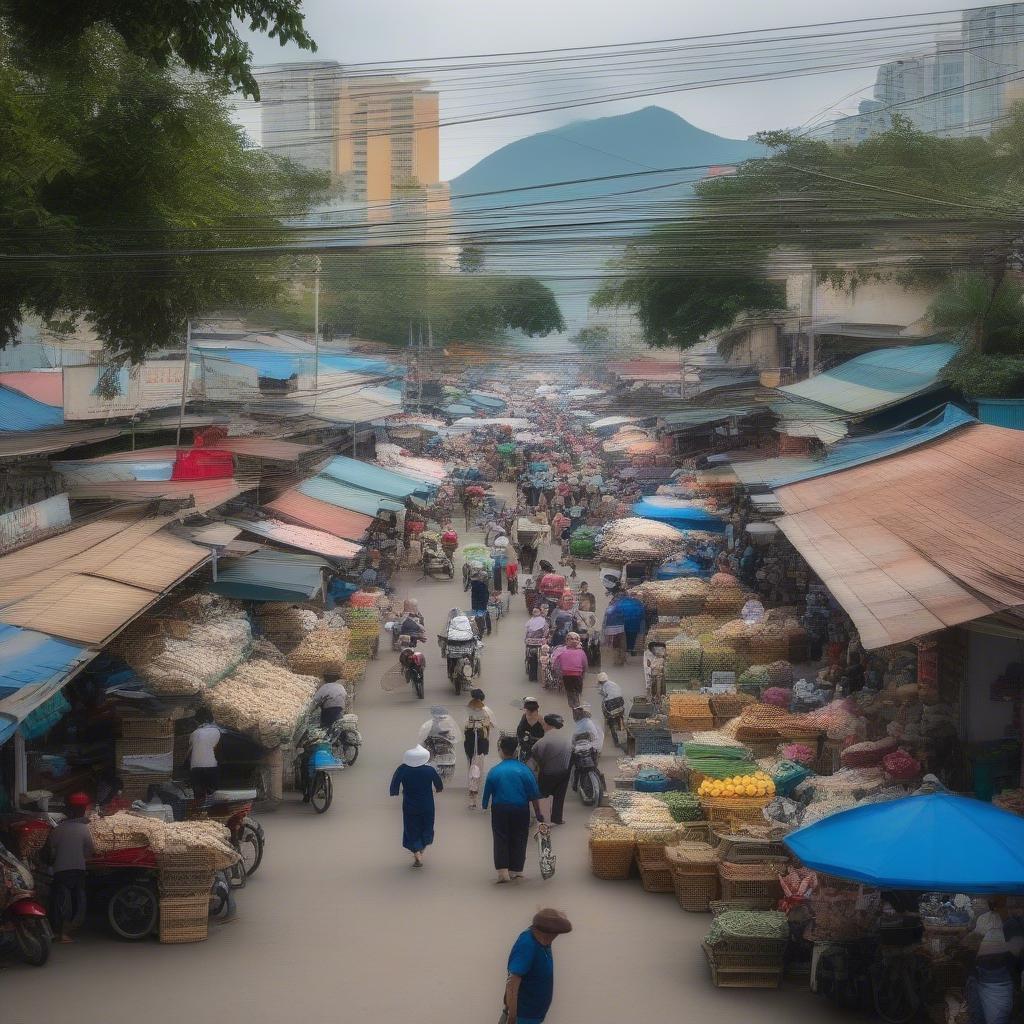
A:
<point x="338" y="926"/>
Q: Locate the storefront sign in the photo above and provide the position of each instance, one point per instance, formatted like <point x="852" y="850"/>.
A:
<point x="23" y="524"/>
<point x="99" y="392"/>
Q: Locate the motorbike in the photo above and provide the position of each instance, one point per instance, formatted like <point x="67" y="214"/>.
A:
<point x="435" y="562"/>
<point x="22" y="916"/>
<point x="615" y="719"/>
<point x="414" y="664"/>
<point x="442" y="754"/>
<point x="316" y="765"/>
<point x="346" y="739"/>
<point x="586" y="776"/>
<point x="463" y="659"/>
<point x="395" y="629"/>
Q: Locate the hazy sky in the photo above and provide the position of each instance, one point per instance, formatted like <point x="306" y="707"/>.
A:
<point x="392" y="30"/>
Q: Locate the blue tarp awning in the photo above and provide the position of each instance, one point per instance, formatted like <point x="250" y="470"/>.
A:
<point x="855" y="451"/>
<point x="370" y="503"/>
<point x="375" y="478"/>
<point x="266" y="362"/>
<point x="935" y="842"/>
<point x="680" y="514"/>
<point x="33" y="667"/>
<point x="18" y="412"/>
<point x="270" y="576"/>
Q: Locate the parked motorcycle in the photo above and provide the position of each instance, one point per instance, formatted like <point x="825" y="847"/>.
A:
<point x="615" y="720"/>
<point x="586" y="776"/>
<point x="460" y="649"/>
<point x="22" y="916"/>
<point x="233" y="807"/>
<point x="414" y="664"/>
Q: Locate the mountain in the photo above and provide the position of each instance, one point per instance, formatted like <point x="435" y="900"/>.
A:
<point x="649" y="139"/>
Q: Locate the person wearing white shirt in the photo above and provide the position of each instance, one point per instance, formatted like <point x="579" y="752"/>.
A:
<point x="586" y="726"/>
<point x="204" y="771"/>
<point x="331" y="699"/>
<point x="609" y="690"/>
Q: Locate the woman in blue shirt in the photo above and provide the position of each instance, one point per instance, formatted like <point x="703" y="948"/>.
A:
<point x="417" y="780"/>
<point x="531" y="969"/>
<point x="511" y="787"/>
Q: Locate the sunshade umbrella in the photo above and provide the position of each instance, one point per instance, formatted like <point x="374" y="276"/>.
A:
<point x="936" y="842"/>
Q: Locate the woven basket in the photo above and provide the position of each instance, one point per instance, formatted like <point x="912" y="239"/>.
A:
<point x="746" y="977"/>
<point x="136" y="784"/>
<point x="143" y="745"/>
<point x="754" y="883"/>
<point x="146" y="728"/>
<point x="691" y="724"/>
<point x="656" y="876"/>
<point x="184" y="918"/>
<point x="729" y="705"/>
<point x="729" y="810"/>
<point x="694" y="891"/>
<point x="175" y="881"/>
<point x="611" y="861"/>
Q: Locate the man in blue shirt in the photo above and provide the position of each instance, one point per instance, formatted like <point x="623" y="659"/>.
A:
<point x="531" y="969"/>
<point x="511" y="787"/>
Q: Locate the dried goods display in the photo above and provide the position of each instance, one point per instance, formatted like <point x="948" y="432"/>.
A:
<point x="124" y="830"/>
<point x="322" y="650"/>
<point x="684" y="596"/>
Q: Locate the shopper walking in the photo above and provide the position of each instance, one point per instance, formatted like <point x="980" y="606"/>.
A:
<point x="530" y="986"/>
<point x="530" y="728"/>
<point x="571" y="663"/>
<point x="417" y="781"/>
<point x="477" y="740"/>
<point x="511" y="788"/>
<point x="68" y="847"/>
<point x="552" y="755"/>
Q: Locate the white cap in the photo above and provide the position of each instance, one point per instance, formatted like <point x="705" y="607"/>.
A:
<point x="602" y="677"/>
<point x="415" y="757"/>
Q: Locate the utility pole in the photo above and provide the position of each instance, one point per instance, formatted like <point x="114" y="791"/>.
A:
<point x="810" y="327"/>
<point x="184" y="380"/>
<point x="316" y="332"/>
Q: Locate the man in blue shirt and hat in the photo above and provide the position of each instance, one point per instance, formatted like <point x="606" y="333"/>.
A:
<point x="531" y="969"/>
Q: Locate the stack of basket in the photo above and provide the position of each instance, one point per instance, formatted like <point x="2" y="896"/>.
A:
<point x="755" y="882"/>
<point x="364" y="631"/>
<point x="694" y="867"/>
<point x="726" y="706"/>
<point x="651" y="842"/>
<point x="185" y="879"/>
<point x="612" y="846"/>
<point x="682" y="663"/>
<point x="747" y="949"/>
<point x="689" y="712"/>
<point x="144" y="740"/>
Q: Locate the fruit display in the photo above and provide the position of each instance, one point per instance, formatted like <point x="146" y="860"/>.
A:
<point x="759" y="784"/>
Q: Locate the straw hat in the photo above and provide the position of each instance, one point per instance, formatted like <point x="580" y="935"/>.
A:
<point x="416" y="757"/>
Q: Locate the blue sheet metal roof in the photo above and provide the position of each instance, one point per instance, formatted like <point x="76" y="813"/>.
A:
<point x="855" y="451"/>
<point x="370" y="503"/>
<point x="267" y="362"/>
<point x="270" y="576"/>
<point x="19" y="412"/>
<point x="374" y="478"/>
<point x="33" y="667"/>
<point x="876" y="379"/>
<point x="679" y="515"/>
<point x="361" y="364"/>
<point x="486" y="401"/>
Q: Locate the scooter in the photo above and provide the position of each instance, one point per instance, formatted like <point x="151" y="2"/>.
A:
<point x="316" y="764"/>
<point x="442" y="755"/>
<point x="614" y="711"/>
<point x="586" y="776"/>
<point x="435" y="562"/>
<point x="413" y="662"/>
<point x="22" y="916"/>
<point x="463" y="660"/>
<point x="346" y="739"/>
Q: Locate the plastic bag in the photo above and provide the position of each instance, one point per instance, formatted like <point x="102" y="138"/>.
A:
<point x="546" y="856"/>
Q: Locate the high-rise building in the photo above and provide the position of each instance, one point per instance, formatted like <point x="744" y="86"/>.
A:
<point x="993" y="39"/>
<point x="297" y="104"/>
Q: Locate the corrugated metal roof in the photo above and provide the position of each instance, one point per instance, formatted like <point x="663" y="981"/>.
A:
<point x="684" y="419"/>
<point x="86" y="609"/>
<point x="921" y="540"/>
<point x="19" y="413"/>
<point x="302" y="537"/>
<point x="876" y="379"/>
<point x="207" y="494"/>
<point x="253" y="447"/>
<point x="320" y="516"/>
<point x="270" y="576"/>
<point x="46" y="386"/>
<point x="323" y="488"/>
<point x="156" y="563"/>
<point x="56" y="439"/>
<point x="374" y="478"/>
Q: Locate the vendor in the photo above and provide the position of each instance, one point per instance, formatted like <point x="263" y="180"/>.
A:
<point x="990" y="987"/>
<point x="68" y="848"/>
<point x="331" y="699"/>
<point x="204" y="771"/>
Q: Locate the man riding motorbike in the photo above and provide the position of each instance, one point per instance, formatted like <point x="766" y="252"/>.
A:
<point x="613" y="706"/>
<point x="537" y="633"/>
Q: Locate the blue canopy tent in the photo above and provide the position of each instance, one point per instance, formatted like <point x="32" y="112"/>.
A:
<point x="375" y="478"/>
<point x="680" y="514"/>
<point x="270" y="576"/>
<point x="935" y="842"/>
<point x="682" y="567"/>
<point x="355" y="499"/>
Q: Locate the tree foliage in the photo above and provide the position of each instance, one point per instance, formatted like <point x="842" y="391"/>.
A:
<point x="387" y="293"/>
<point x="125" y="189"/>
<point x="986" y="314"/>
<point x="202" y="35"/>
<point x="901" y="204"/>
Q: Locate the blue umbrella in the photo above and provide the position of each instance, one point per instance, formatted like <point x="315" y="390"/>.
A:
<point x="935" y="842"/>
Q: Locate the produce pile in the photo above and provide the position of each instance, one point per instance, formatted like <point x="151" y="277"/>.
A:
<point x="669" y="765"/>
<point x="633" y="538"/>
<point x="1011" y="800"/>
<point x="262" y="700"/>
<point x="684" y="596"/>
<point x="682" y="660"/>
<point x="641" y="811"/>
<point x="607" y="830"/>
<point x="682" y="806"/>
<point x="364" y="630"/>
<point x="284" y="625"/>
<point x="688" y="712"/>
<point x="718" y="761"/>
<point x="759" y="784"/>
<point x="748" y="924"/>
<point x="324" y="649"/>
<point x="124" y="831"/>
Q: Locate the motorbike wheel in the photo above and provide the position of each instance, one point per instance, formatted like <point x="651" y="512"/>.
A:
<point x="133" y="911"/>
<point x="34" y="940"/>
<point x="615" y="734"/>
<point x="457" y="678"/>
<point x="590" y="789"/>
<point x="349" y="750"/>
<point x="250" y="847"/>
<point x="417" y="685"/>
<point x="323" y="792"/>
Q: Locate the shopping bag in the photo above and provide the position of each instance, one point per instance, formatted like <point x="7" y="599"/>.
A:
<point x="546" y="856"/>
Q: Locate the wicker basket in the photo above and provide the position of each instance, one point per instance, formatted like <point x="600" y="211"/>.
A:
<point x="136" y="784"/>
<point x="612" y="861"/>
<point x="731" y="810"/>
<point x="143" y="745"/>
<point x="146" y="728"/>
<point x="184" y="918"/>
<point x="754" y="882"/>
<point x="691" y="724"/>
<point x="694" y="890"/>
<point x="175" y="881"/>
<point x="752" y="976"/>
<point x="729" y="705"/>
<point x="656" y="876"/>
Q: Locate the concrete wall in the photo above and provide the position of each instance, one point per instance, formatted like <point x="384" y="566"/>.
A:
<point x="873" y="302"/>
<point x="760" y="348"/>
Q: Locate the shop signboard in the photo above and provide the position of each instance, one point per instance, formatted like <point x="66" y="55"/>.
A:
<point x="99" y="392"/>
<point x="33" y="521"/>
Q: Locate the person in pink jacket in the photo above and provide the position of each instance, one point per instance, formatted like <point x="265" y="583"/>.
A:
<point x="571" y="661"/>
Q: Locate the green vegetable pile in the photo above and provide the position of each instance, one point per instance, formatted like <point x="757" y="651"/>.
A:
<point x="682" y="806"/>
<point x="748" y="924"/>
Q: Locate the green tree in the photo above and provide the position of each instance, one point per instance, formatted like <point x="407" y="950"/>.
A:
<point x="984" y="313"/>
<point x="129" y="198"/>
<point x="201" y="35"/>
<point x="902" y="204"/>
<point x="596" y="338"/>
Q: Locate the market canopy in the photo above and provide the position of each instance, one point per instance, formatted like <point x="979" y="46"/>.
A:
<point x="611" y="421"/>
<point x="365" y="475"/>
<point x="320" y="515"/>
<point x="19" y="412"/>
<point x="688" y="419"/>
<point x="919" y="541"/>
<point x="473" y="423"/>
<point x="291" y="535"/>
<point x="876" y="379"/>
<point x="936" y="842"/>
<point x="270" y="576"/>
<point x="369" y="503"/>
<point x="678" y="512"/>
